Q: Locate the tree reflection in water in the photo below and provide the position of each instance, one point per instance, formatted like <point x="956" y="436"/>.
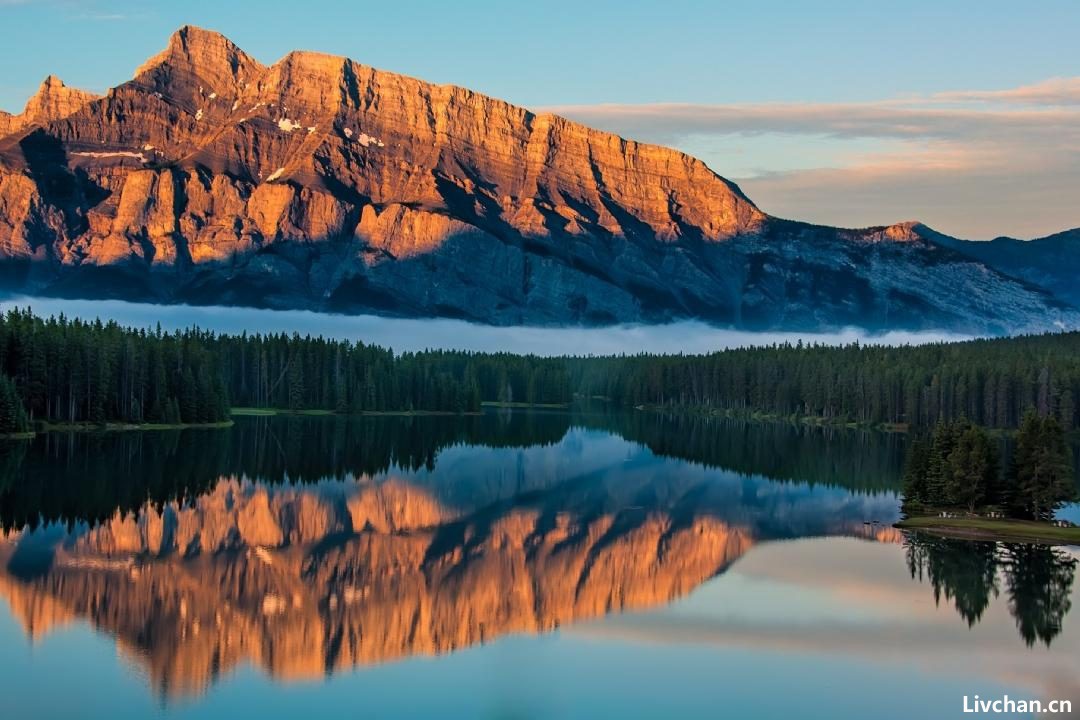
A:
<point x="1036" y="579"/>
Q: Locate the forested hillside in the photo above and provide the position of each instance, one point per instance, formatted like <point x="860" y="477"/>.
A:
<point x="990" y="382"/>
<point x="72" y="371"/>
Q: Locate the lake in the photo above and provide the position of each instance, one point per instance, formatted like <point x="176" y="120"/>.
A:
<point x="509" y="565"/>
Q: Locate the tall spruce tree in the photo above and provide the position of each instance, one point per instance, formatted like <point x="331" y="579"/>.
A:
<point x="916" y="472"/>
<point x="13" y="417"/>
<point x="1040" y="474"/>
<point x="973" y="469"/>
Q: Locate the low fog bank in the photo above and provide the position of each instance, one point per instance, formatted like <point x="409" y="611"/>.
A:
<point x="411" y="334"/>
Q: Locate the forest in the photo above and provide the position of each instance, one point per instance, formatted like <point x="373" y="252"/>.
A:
<point x="960" y="466"/>
<point x="62" y="370"/>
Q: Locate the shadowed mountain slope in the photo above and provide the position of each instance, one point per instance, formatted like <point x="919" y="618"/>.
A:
<point x="321" y="183"/>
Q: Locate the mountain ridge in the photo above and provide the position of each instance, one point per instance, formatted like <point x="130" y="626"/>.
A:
<point x="320" y="183"/>
<point x="1051" y="262"/>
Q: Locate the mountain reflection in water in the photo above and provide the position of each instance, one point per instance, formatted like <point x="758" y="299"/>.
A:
<point x="306" y="546"/>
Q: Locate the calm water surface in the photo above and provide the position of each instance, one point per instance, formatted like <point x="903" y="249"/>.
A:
<point x="522" y="565"/>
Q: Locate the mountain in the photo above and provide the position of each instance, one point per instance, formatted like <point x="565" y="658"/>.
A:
<point x="320" y="183"/>
<point x="1052" y="262"/>
<point x="54" y="100"/>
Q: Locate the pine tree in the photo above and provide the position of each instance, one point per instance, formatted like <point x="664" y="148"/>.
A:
<point x="916" y="472"/>
<point x="1040" y="473"/>
<point x="1067" y="410"/>
<point x="939" y="471"/>
<point x="973" y="469"/>
<point x="13" y="418"/>
<point x="296" y="383"/>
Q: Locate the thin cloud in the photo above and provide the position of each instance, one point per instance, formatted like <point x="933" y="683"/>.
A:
<point x="843" y="120"/>
<point x="971" y="163"/>
<point x="1054" y="91"/>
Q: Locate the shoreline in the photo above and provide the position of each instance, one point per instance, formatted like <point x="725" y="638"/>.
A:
<point x="816" y="421"/>
<point x="993" y="529"/>
<point x="315" y="412"/>
<point x="524" y="405"/>
<point x="47" y="427"/>
<point x="756" y="416"/>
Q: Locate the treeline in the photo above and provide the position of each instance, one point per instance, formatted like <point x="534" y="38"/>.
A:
<point x="991" y="382"/>
<point x="75" y="371"/>
<point x="297" y="372"/>
<point x="72" y="371"/>
<point x="960" y="466"/>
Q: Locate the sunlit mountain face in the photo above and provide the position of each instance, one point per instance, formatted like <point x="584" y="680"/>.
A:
<point x="322" y="549"/>
<point x="320" y="183"/>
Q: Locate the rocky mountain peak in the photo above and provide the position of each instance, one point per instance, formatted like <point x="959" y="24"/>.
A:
<point x="322" y="183"/>
<point x="200" y="60"/>
<point x="909" y="231"/>
<point x="53" y="101"/>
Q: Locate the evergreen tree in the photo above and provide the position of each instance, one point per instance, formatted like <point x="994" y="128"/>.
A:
<point x="916" y="472"/>
<point x="13" y="418"/>
<point x="939" y="473"/>
<point x="1040" y="473"/>
<point x="296" y="383"/>
<point x="973" y="470"/>
<point x="959" y="466"/>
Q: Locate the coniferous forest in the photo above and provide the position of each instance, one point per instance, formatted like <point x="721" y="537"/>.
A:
<point x="960" y="466"/>
<point x="72" y="371"/>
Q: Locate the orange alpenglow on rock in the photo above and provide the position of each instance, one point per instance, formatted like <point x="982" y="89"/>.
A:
<point x="321" y="183"/>
<point x="302" y="585"/>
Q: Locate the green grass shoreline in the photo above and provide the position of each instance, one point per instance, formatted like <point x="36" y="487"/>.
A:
<point x="125" y="427"/>
<point x="47" y="427"/>
<point x="765" y="417"/>
<point x="269" y="412"/>
<point x="1004" y="529"/>
<point x="525" y="405"/>
<point x="812" y="420"/>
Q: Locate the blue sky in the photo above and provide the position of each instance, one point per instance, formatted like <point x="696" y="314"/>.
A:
<point x="765" y="92"/>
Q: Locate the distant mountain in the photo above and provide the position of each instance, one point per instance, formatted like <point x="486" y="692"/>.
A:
<point x="324" y="184"/>
<point x="1052" y="262"/>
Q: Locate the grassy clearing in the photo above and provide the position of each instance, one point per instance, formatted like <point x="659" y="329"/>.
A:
<point x="126" y="427"/>
<point x="266" y="412"/>
<point x="278" y="411"/>
<point x="525" y="405"/>
<point x="993" y="529"/>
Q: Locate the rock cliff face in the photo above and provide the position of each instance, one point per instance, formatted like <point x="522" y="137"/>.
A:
<point x="321" y="183"/>
<point x="53" y="101"/>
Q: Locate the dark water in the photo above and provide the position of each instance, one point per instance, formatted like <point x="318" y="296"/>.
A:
<point x="508" y="565"/>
